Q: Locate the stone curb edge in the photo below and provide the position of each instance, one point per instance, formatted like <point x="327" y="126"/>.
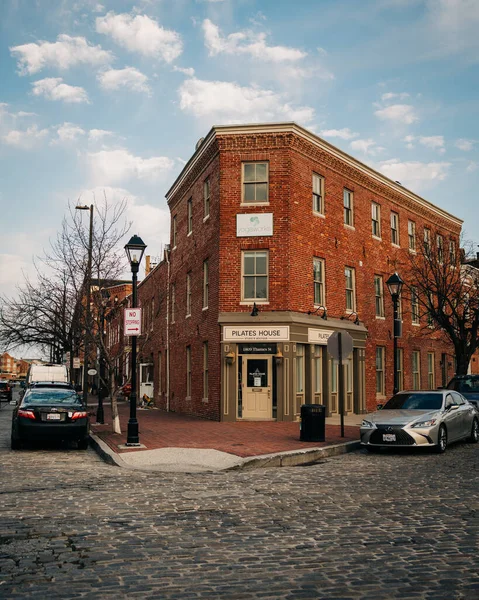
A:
<point x="280" y="459"/>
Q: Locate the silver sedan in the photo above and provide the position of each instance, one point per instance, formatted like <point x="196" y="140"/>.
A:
<point x="422" y="419"/>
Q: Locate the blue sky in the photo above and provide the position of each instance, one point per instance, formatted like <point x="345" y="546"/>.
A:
<point x="110" y="97"/>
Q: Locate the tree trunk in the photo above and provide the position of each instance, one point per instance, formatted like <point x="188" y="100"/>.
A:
<point x="115" y="417"/>
<point x="462" y="363"/>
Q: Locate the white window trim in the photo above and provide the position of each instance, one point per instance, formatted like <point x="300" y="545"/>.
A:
<point x="322" y="301"/>
<point x="248" y="301"/>
<point x="251" y="162"/>
<point x="378" y="220"/>
<point x="351" y="208"/>
<point x="321" y="179"/>
<point x="351" y="310"/>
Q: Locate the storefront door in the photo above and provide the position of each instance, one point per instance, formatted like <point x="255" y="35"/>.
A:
<point x="257" y="387"/>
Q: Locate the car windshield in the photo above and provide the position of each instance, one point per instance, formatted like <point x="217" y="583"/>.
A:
<point x="414" y="401"/>
<point x="45" y="396"/>
<point x="469" y="384"/>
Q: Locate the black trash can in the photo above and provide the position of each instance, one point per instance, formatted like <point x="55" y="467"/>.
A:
<point x="313" y="423"/>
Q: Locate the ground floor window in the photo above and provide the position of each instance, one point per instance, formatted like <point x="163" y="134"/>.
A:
<point x="400" y="368"/>
<point x="318" y="373"/>
<point x="299" y="368"/>
<point x="380" y="387"/>
<point x="205" y="370"/>
<point x="431" y="375"/>
<point x="416" y="370"/>
<point x="188" y="371"/>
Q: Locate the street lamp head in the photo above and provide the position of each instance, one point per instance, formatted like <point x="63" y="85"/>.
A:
<point x="135" y="249"/>
<point x="395" y="284"/>
<point x="85" y="207"/>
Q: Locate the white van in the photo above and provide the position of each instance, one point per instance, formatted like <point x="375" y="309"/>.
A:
<point x="47" y="373"/>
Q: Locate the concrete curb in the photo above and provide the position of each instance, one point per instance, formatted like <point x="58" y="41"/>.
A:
<point x="289" y="458"/>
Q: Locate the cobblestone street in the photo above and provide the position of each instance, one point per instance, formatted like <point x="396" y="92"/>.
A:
<point x="360" y="526"/>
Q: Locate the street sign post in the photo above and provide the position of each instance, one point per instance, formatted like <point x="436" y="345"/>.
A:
<point x="132" y="321"/>
<point x="76" y="362"/>
<point x="340" y="345"/>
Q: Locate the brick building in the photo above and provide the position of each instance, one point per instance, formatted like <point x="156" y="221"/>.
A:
<point x="279" y="239"/>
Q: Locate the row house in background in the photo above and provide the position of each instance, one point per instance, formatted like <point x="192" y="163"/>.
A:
<point x="277" y="240"/>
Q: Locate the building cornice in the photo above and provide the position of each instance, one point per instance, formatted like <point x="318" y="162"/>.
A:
<point x="293" y="128"/>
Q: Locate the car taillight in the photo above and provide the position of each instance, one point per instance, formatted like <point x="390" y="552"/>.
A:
<point x="28" y="414"/>
<point x="79" y="415"/>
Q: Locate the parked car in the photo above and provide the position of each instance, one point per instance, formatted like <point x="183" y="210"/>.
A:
<point x="423" y="419"/>
<point x="468" y="386"/>
<point x="50" y="413"/>
<point x="5" y="391"/>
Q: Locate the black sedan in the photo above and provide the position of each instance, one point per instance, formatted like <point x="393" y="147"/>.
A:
<point x="50" y="414"/>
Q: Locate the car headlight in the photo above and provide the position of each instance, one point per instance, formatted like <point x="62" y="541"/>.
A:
<point x="428" y="423"/>
<point x="367" y="424"/>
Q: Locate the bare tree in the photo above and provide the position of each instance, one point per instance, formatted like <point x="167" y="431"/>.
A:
<point x="446" y="291"/>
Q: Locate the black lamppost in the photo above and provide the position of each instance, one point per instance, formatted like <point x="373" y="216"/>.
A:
<point x="395" y="284"/>
<point x="134" y="250"/>
<point x="86" y="348"/>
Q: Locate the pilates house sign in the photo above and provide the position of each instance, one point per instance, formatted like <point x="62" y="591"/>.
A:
<point x="256" y="334"/>
<point x="260" y="224"/>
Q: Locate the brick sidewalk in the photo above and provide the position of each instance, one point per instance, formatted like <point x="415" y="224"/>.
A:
<point x="159" y="429"/>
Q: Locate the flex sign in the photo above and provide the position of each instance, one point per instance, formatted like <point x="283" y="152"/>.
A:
<point x="256" y="334"/>
<point x="132" y="321"/>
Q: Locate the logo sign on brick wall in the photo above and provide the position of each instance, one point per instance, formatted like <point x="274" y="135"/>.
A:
<point x="132" y="321"/>
<point x="319" y="336"/>
<point x="260" y="224"/>
<point x="256" y="334"/>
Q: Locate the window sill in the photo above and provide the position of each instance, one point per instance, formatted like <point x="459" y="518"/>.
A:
<point x="320" y="215"/>
<point x="375" y="237"/>
<point x="205" y="400"/>
<point x="204" y="308"/>
<point x="251" y="302"/>
<point x="411" y="251"/>
<point x="395" y="245"/>
<point x="206" y="218"/>
<point x="188" y="316"/>
<point x="350" y="227"/>
<point x="379" y="318"/>
<point x="188" y="234"/>
<point x="246" y="204"/>
<point x="416" y="324"/>
<point x="174" y="248"/>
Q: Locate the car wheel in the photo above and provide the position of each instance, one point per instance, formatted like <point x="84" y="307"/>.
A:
<point x="83" y="444"/>
<point x="373" y="449"/>
<point x="441" y="440"/>
<point x="474" y="437"/>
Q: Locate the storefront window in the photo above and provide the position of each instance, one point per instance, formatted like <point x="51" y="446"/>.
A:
<point x="318" y="369"/>
<point x="299" y="368"/>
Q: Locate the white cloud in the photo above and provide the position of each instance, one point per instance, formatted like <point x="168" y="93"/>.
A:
<point x="68" y="133"/>
<point x="368" y="146"/>
<point x="416" y="175"/>
<point x="472" y="166"/>
<point x="344" y="134"/>
<point x="53" y="88"/>
<point x="465" y="145"/>
<point x="247" y="42"/>
<point x="409" y="139"/>
<point x="399" y="113"/>
<point x="95" y="135"/>
<point x="25" y="139"/>
<point x="189" y="71"/>
<point x="222" y="102"/>
<point x="392" y="95"/>
<point x="435" y="142"/>
<point x="141" y="34"/>
<point x="129" y="78"/>
<point x="114" y="166"/>
<point x="66" y="52"/>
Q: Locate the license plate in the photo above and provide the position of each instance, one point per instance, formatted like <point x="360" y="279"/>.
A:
<point x="389" y="437"/>
<point x="53" y="417"/>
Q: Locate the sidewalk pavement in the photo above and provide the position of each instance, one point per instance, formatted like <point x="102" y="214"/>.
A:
<point x="177" y="442"/>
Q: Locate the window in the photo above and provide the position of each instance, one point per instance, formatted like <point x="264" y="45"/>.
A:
<point x="414" y="306"/>
<point x="318" y="370"/>
<point x="206" y="197"/>
<point x="350" y="293"/>
<point x="318" y="194"/>
<point x="427" y="240"/>
<point x="395" y="228"/>
<point x="411" y="232"/>
<point x="400" y="368"/>
<point x="379" y="295"/>
<point x="318" y="278"/>
<point x="400" y="307"/>
<point x="431" y="376"/>
<point x="416" y="370"/>
<point x="206" y="283"/>
<point x="160" y="383"/>
<point x="376" y="219"/>
<point x="255" y="183"/>
<point x="348" y="207"/>
<point x="190" y="215"/>
<point x="205" y="370"/>
<point x="174" y="231"/>
<point x="430" y="309"/>
<point x="152" y="305"/>
<point x="188" y="371"/>
<point x="188" y="294"/>
<point x="440" y="248"/>
<point x="255" y="275"/>
<point x="299" y="368"/>
<point x="380" y="387"/>
<point x="452" y="252"/>
<point x="173" y="301"/>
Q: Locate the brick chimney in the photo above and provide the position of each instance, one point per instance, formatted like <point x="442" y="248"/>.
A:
<point x="147" y="265"/>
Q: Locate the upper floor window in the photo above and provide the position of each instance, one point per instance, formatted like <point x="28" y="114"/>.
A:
<point x="318" y="278"/>
<point x="188" y="371"/>
<point x="206" y="283"/>
<point x="318" y="194"/>
<point x="379" y="295"/>
<point x="188" y="294"/>
<point x="440" y="248"/>
<point x="376" y="219"/>
<point x="411" y="232"/>
<point x="206" y="197"/>
<point x="452" y="252"/>
<point x="190" y="215"/>
<point x="380" y="364"/>
<point x="255" y="275"/>
<point x="348" y="207"/>
<point x="395" y="228"/>
<point x="416" y="370"/>
<point x="174" y="231"/>
<point x="427" y="240"/>
<point x="350" y="289"/>
<point x="414" y="305"/>
<point x="255" y="183"/>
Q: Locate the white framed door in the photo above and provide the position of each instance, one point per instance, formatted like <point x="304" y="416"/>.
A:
<point x="146" y="380"/>
<point x="257" y="386"/>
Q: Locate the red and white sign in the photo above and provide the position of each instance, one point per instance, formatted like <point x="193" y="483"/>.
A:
<point x="132" y="321"/>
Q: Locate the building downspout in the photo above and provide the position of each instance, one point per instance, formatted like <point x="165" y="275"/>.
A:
<point x="167" y="256"/>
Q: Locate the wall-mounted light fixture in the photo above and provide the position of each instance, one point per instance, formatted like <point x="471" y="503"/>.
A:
<point x="230" y="358"/>
<point x="278" y="357"/>
<point x="348" y="317"/>
<point x="315" y="312"/>
<point x="255" y="311"/>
